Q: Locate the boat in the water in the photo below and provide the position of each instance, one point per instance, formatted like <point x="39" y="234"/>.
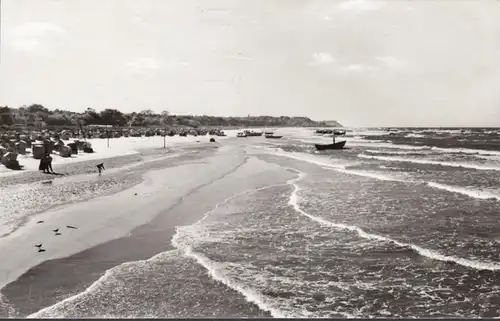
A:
<point x="339" y="145"/>
<point x="251" y="133"/>
<point x="337" y="132"/>
<point x="241" y="134"/>
<point x="272" y="136"/>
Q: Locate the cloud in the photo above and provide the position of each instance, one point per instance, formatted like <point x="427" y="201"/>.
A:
<point x="33" y="37"/>
<point x="393" y="63"/>
<point x="321" y="58"/>
<point x="238" y="57"/>
<point x="144" y="65"/>
<point x="360" y="5"/>
<point x="359" y="68"/>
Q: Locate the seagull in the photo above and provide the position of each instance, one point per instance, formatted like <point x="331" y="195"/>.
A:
<point x="73" y="227"/>
<point x="39" y="222"/>
<point x="56" y="230"/>
<point x="58" y="234"/>
<point x="38" y="245"/>
<point x="41" y="250"/>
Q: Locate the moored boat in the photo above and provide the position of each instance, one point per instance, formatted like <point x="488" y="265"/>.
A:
<point x="339" y="145"/>
<point x="253" y="133"/>
<point x="272" y="136"/>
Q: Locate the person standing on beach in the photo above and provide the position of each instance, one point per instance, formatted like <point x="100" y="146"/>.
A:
<point x="43" y="164"/>
<point x="100" y="167"/>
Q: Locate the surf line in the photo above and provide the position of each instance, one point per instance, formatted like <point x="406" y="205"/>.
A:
<point x="57" y="310"/>
<point x="434" y="255"/>
<point x="477" y="194"/>
<point x="212" y="268"/>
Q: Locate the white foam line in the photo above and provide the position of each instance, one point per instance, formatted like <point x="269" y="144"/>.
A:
<point x="391" y="152"/>
<point x="94" y="286"/>
<point x="284" y="154"/>
<point x="211" y="267"/>
<point x="249" y="294"/>
<point x="381" y="144"/>
<point x="368" y="174"/>
<point x="429" y="162"/>
<point x="293" y="201"/>
<point x="341" y="168"/>
<point x="467" y="151"/>
<point x="461" y="190"/>
<point x="449" y="188"/>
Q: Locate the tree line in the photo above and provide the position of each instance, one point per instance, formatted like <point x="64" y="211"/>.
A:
<point x="35" y="113"/>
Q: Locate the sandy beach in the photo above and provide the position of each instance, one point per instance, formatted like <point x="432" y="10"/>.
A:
<point x="175" y="187"/>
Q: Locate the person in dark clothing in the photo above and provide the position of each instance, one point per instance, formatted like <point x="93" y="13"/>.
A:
<point x="49" y="164"/>
<point x="100" y="167"/>
<point x="44" y="164"/>
<point x="41" y="167"/>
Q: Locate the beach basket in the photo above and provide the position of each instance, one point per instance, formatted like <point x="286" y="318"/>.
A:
<point x="38" y="151"/>
<point x="10" y="161"/>
<point x="74" y="147"/>
<point x="79" y="144"/>
<point x="21" y="147"/>
<point x="9" y="158"/>
<point x="65" y="151"/>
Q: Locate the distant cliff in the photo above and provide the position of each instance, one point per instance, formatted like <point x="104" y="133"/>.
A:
<point x="35" y="114"/>
<point x="331" y="123"/>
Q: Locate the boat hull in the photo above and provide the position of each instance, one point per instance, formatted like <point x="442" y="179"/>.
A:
<point x="273" y="137"/>
<point x="338" y="145"/>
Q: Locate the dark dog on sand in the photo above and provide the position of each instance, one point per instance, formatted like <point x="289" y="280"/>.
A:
<point x="100" y="167"/>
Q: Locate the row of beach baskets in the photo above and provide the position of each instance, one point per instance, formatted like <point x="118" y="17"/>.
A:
<point x="39" y="149"/>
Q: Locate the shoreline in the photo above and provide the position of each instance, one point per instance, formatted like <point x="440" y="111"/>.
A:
<point x="147" y="237"/>
<point x="138" y="166"/>
<point x="113" y="226"/>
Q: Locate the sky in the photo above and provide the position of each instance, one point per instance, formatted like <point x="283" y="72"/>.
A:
<point x="361" y="62"/>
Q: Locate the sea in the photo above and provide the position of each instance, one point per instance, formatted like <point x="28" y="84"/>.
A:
<point x="403" y="223"/>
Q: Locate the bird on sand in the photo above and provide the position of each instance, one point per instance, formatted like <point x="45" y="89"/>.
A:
<point x="57" y="234"/>
<point x="41" y="250"/>
<point x="73" y="227"/>
<point x="56" y="230"/>
<point x="38" y="245"/>
<point x="39" y="222"/>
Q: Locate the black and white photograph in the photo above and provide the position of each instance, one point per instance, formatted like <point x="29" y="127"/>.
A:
<point x="250" y="159"/>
